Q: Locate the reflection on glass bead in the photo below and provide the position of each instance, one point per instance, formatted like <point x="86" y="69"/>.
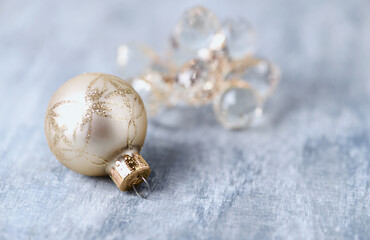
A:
<point x="263" y="77"/>
<point x="196" y="82"/>
<point x="237" y="106"/>
<point x="192" y="73"/>
<point x="149" y="88"/>
<point x="240" y="38"/>
<point x="133" y="59"/>
<point x="197" y="29"/>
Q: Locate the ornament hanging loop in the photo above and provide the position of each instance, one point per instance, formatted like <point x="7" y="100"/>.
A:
<point x="148" y="190"/>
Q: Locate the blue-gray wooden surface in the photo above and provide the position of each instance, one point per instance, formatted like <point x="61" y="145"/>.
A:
<point x="303" y="174"/>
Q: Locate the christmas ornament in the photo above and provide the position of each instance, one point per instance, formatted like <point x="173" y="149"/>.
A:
<point x="208" y="61"/>
<point x="96" y="125"/>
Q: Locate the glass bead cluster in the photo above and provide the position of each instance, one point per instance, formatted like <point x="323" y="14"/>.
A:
<point x="207" y="61"/>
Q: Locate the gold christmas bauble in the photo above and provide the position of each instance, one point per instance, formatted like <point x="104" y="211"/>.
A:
<point x="96" y="125"/>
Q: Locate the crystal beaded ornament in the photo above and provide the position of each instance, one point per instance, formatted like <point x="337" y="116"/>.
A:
<point x="208" y="61"/>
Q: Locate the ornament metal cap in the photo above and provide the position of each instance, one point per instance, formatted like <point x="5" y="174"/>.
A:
<point x="128" y="170"/>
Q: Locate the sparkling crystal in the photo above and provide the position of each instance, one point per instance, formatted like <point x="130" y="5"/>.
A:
<point x="134" y="59"/>
<point x="240" y="38"/>
<point x="193" y="73"/>
<point x="196" y="82"/>
<point x="263" y="77"/>
<point x="197" y="29"/>
<point x="237" y="107"/>
<point x="151" y="89"/>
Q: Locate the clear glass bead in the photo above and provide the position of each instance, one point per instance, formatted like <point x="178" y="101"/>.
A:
<point x="177" y="57"/>
<point x="196" y="82"/>
<point x="237" y="106"/>
<point x="197" y="29"/>
<point x="134" y="59"/>
<point x="152" y="90"/>
<point x="240" y="38"/>
<point x="263" y="77"/>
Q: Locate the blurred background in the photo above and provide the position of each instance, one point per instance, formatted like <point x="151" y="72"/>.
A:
<point x="304" y="175"/>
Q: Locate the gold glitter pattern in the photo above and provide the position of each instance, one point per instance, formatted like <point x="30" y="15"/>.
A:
<point x="131" y="164"/>
<point x="102" y="94"/>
